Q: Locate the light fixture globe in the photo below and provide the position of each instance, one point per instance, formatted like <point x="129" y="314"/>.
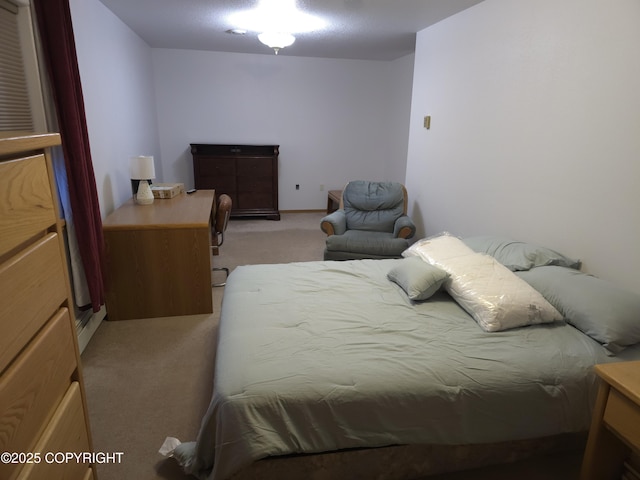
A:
<point x="276" y="40"/>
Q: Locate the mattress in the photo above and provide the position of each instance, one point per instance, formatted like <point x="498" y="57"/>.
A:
<point x="324" y="356"/>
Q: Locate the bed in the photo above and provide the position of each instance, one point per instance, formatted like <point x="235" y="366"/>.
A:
<point x="366" y="354"/>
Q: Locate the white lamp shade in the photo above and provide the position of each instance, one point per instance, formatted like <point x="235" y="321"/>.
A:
<point x="142" y="168"/>
<point x="276" y="40"/>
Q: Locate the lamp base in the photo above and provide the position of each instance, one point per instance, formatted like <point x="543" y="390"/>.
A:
<point x="144" y="195"/>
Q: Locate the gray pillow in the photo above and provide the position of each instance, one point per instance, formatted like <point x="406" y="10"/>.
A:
<point x="608" y="314"/>
<point x="517" y="255"/>
<point x="419" y="279"/>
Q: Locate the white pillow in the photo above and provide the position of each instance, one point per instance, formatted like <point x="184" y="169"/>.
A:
<point x="446" y="244"/>
<point x="491" y="293"/>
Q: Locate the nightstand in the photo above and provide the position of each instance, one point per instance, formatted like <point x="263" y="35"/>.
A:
<point x="615" y="427"/>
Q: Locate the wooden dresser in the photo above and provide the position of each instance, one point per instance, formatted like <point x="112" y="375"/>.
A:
<point x="247" y="173"/>
<point x="615" y="428"/>
<point x="42" y="399"/>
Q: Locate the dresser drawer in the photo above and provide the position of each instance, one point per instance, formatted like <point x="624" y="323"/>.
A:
<point x="255" y="184"/>
<point x="255" y="200"/>
<point x="255" y="167"/>
<point x="214" y="167"/>
<point x="33" y="287"/>
<point x="26" y="203"/>
<point x="33" y="386"/>
<point x="66" y="432"/>
<point x="623" y="416"/>
<point x="219" y="184"/>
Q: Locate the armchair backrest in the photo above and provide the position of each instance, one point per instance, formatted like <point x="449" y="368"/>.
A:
<point x="373" y="206"/>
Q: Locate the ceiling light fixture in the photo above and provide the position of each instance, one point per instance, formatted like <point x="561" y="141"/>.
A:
<point x="276" y="40"/>
<point x="277" y="20"/>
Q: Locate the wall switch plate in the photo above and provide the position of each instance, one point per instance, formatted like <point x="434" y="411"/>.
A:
<point x="321" y="188"/>
<point x="427" y="122"/>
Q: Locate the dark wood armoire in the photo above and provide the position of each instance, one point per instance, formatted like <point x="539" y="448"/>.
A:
<point x="247" y="173"/>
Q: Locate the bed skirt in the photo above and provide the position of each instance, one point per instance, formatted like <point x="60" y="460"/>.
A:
<point x="408" y="462"/>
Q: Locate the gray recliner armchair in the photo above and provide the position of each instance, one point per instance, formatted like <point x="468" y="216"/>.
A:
<point x="371" y="222"/>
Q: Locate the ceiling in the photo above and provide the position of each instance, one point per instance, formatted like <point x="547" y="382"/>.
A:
<point x="356" y="29"/>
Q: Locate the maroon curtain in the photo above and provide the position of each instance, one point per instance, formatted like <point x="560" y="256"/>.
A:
<point x="58" y="45"/>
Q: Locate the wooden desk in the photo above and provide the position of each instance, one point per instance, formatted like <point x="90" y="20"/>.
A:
<point x="615" y="427"/>
<point x="159" y="257"/>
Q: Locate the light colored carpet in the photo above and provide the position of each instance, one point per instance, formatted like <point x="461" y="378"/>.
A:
<point x="148" y="379"/>
<point x="152" y="378"/>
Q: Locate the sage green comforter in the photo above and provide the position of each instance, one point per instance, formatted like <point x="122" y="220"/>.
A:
<point x="323" y="356"/>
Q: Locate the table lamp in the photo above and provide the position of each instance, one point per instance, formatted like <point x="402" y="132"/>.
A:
<point x="141" y="168"/>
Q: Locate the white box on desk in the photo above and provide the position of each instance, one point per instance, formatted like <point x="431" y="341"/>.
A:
<point x="167" y="190"/>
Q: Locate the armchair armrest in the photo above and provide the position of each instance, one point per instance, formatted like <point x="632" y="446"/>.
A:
<point x="334" y="223"/>
<point x="404" y="227"/>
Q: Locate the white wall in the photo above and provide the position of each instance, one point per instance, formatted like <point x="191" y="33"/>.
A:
<point x="535" y="128"/>
<point x="333" y="119"/>
<point x="117" y="83"/>
<point x="399" y="106"/>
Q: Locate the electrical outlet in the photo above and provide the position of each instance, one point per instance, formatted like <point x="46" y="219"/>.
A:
<point x="321" y="188"/>
<point x="297" y="186"/>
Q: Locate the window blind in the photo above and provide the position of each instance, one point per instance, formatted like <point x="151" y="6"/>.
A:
<point x="15" y="111"/>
